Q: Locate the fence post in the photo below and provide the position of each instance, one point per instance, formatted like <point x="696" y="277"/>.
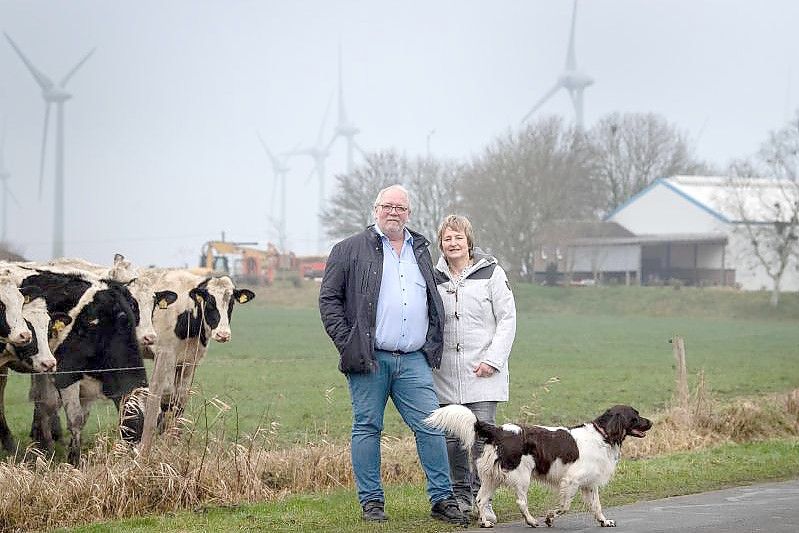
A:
<point x="681" y="379"/>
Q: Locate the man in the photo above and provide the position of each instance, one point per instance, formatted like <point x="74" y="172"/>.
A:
<point x="380" y="306"/>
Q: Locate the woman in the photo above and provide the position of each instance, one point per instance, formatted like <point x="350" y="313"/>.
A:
<point x="479" y="327"/>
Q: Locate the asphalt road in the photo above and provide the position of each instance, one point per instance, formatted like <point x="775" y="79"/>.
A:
<point x="770" y="507"/>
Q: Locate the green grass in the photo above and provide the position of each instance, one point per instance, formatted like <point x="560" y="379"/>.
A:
<point x="672" y="475"/>
<point x="606" y="345"/>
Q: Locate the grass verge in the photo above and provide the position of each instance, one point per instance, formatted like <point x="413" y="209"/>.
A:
<point x="337" y="510"/>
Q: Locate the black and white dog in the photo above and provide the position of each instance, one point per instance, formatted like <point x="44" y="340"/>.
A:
<point x="567" y="459"/>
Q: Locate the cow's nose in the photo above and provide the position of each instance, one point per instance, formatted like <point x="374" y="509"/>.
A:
<point x="222" y="336"/>
<point x="148" y="340"/>
<point x="25" y="337"/>
<point x="49" y="366"/>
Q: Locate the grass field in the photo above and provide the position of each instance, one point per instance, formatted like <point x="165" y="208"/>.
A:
<point x="576" y="352"/>
<point x="605" y="345"/>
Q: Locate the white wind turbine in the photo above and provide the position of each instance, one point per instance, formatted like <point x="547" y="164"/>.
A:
<point x="571" y="79"/>
<point x="280" y="170"/>
<point x="4" y="175"/>
<point x="53" y="94"/>
<point x="319" y="153"/>
<point x="344" y="128"/>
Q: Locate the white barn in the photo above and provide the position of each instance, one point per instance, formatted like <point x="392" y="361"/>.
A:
<point x="686" y="228"/>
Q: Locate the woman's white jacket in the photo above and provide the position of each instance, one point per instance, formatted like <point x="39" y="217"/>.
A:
<point x="479" y="327"/>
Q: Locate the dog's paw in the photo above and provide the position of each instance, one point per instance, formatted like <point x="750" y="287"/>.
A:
<point x="608" y="523"/>
<point x="486" y="524"/>
<point x="549" y="519"/>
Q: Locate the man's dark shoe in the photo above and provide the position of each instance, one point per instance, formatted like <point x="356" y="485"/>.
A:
<point x="448" y="511"/>
<point x="373" y="512"/>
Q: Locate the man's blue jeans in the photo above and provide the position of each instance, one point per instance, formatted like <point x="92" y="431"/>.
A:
<point x="408" y="381"/>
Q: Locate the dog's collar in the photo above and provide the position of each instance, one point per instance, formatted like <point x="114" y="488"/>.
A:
<point x="601" y="431"/>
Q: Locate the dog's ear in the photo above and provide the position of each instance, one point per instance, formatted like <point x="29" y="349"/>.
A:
<point x="614" y="424"/>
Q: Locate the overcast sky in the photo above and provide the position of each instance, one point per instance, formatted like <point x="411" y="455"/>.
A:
<point x="161" y="146"/>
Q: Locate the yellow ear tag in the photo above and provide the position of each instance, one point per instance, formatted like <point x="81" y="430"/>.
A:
<point x="198" y="298"/>
<point x="58" y="325"/>
<point x="163" y="304"/>
<point x="243" y="298"/>
<point x="26" y="300"/>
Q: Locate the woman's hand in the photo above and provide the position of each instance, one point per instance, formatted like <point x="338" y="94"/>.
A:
<point x="484" y="371"/>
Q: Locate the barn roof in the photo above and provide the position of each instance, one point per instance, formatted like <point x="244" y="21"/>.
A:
<point x="716" y="195"/>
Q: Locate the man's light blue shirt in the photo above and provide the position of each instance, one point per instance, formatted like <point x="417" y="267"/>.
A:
<point x="402" y="317"/>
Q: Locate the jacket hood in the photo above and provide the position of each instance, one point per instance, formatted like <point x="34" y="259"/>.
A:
<point x="481" y="260"/>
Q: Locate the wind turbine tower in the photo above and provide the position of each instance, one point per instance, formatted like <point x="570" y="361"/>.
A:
<point x="572" y="80"/>
<point x="319" y="154"/>
<point x="344" y="128"/>
<point x="280" y="170"/>
<point x="53" y="94"/>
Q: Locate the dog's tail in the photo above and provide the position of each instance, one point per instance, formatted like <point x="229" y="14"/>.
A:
<point x="456" y="420"/>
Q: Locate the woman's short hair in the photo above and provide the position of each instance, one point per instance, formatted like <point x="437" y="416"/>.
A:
<point x="457" y="223"/>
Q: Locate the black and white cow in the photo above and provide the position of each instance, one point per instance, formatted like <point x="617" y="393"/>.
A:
<point x="13" y="328"/>
<point x="99" y="343"/>
<point x="33" y="357"/>
<point x="203" y="311"/>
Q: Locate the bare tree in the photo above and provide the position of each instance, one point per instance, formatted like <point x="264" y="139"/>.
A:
<point x="430" y="183"/>
<point x="630" y="151"/>
<point x="522" y="181"/>
<point x="433" y="188"/>
<point x="350" y="208"/>
<point x="767" y="209"/>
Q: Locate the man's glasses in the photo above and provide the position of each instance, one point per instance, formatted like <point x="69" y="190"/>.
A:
<point x="388" y="208"/>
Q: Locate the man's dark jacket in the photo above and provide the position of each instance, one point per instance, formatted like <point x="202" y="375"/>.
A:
<point x="348" y="299"/>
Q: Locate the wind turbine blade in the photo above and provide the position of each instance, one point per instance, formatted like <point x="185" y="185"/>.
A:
<point x="310" y="175"/>
<point x="44" y="146"/>
<point x="342" y="112"/>
<point x="76" y="67"/>
<point x="324" y="121"/>
<point x="43" y="81"/>
<point x="332" y="142"/>
<point x="295" y="150"/>
<point x="267" y="150"/>
<point x="541" y="101"/>
<point x="571" y="59"/>
<point x="3" y="147"/>
<point x="11" y="195"/>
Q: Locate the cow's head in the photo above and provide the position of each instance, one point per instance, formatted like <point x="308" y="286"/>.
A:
<point x="147" y="301"/>
<point x="102" y="339"/>
<point x="13" y="329"/>
<point x="36" y="355"/>
<point x="215" y="298"/>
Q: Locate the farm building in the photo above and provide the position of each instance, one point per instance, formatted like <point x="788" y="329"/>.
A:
<point x="683" y="227"/>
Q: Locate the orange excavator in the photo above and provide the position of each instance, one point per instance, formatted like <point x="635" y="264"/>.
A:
<point x="247" y="264"/>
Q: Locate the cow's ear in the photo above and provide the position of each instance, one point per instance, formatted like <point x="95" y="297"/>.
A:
<point x="164" y="298"/>
<point x="198" y="295"/>
<point x="58" y="321"/>
<point x="243" y="296"/>
<point x="30" y="293"/>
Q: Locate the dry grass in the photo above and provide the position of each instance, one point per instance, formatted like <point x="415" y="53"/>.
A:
<point x="200" y="466"/>
<point x="708" y="422"/>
